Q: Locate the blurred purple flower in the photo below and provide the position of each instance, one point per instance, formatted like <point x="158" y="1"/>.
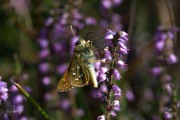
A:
<point x="168" y="115"/>
<point x="18" y="109"/>
<point x="18" y="99"/>
<point x="49" y="21"/>
<point x="44" y="67"/>
<point x="44" y="53"/>
<point x="3" y="91"/>
<point x="156" y="71"/>
<point x="48" y="96"/>
<point x="24" y="118"/>
<point x="65" y="104"/>
<point x="97" y="94"/>
<point x="61" y="68"/>
<point x="110" y="3"/>
<point x="171" y="59"/>
<point x="80" y="112"/>
<point x="43" y="42"/>
<point x="130" y="95"/>
<point x="58" y="47"/>
<point x="46" y="80"/>
<point x="90" y="21"/>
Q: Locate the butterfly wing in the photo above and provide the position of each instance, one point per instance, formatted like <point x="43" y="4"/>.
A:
<point x="78" y="74"/>
<point x="64" y="84"/>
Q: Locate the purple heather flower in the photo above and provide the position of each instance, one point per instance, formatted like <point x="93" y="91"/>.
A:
<point x="3" y="91"/>
<point x="44" y="53"/>
<point x="103" y="88"/>
<point x="62" y="68"/>
<point x="109" y="34"/>
<point x="80" y="112"/>
<point x="166" y="77"/>
<point x="107" y="55"/>
<point x="171" y="59"/>
<point x="116" y="91"/>
<point x="123" y="50"/>
<point x="49" y="21"/>
<point x="102" y="117"/>
<point x="97" y="94"/>
<point x="116" y="74"/>
<point x="97" y="65"/>
<point x="57" y="47"/>
<point x="18" y="99"/>
<point x="44" y="67"/>
<point x="116" y="103"/>
<point x="167" y="115"/>
<point x="159" y="45"/>
<point x="116" y="21"/>
<point x="90" y="21"/>
<point x="23" y="118"/>
<point x="102" y="77"/>
<point x="130" y="95"/>
<point x="46" y="80"/>
<point x="113" y="113"/>
<point x="124" y="36"/>
<point x="169" y="88"/>
<point x="107" y="4"/>
<point x="65" y="104"/>
<point x="43" y="42"/>
<point x="48" y="96"/>
<point x="110" y="3"/>
<point x="13" y="88"/>
<point x="121" y="64"/>
<point x="156" y="71"/>
<point x="103" y="70"/>
<point x="19" y="109"/>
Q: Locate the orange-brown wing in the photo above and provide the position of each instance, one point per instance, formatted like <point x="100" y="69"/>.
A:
<point x="78" y="74"/>
<point x="64" y="84"/>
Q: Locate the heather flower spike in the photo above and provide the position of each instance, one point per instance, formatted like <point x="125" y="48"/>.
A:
<point x="113" y="54"/>
<point x="164" y="47"/>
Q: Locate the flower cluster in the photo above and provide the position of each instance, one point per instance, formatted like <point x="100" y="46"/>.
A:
<point x="109" y="70"/>
<point x="164" y="44"/>
<point x="164" y="49"/>
<point x="110" y="3"/>
<point x="3" y="91"/>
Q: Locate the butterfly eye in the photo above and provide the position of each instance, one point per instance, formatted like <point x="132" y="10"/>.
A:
<point x="78" y="43"/>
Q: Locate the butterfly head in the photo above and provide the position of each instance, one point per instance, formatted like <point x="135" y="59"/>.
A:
<point x="80" y="42"/>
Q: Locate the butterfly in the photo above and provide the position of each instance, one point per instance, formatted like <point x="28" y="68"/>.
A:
<point x="81" y="69"/>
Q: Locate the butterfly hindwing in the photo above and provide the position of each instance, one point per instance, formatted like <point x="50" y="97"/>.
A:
<point x="64" y="84"/>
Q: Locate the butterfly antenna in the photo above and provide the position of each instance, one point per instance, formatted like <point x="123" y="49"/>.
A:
<point x="72" y="30"/>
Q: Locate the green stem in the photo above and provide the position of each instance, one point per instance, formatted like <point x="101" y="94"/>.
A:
<point x="32" y="101"/>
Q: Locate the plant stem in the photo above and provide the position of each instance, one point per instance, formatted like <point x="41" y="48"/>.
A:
<point x="32" y="101"/>
<point x="109" y="85"/>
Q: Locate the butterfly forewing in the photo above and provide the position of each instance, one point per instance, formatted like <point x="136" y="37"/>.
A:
<point x="78" y="74"/>
<point x="64" y="84"/>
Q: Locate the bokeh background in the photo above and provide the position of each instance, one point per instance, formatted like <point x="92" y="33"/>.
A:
<point x="36" y="45"/>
